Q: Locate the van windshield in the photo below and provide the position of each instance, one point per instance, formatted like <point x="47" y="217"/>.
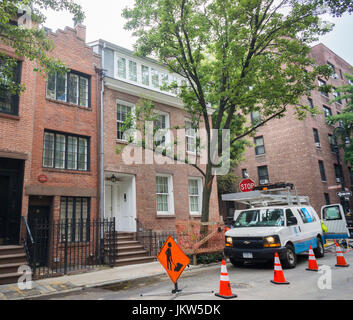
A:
<point x="260" y="218"/>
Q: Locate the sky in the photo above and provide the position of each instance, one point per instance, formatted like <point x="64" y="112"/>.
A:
<point x="104" y="21"/>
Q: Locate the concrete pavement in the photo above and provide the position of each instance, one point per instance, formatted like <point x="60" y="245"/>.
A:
<point x="72" y="283"/>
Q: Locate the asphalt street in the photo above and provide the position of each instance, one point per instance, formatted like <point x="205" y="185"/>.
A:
<point x="251" y="282"/>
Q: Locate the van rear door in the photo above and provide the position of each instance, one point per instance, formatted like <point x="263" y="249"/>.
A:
<point x="335" y="221"/>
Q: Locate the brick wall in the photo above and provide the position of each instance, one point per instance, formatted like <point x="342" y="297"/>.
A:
<point x="146" y="173"/>
<point x="291" y="154"/>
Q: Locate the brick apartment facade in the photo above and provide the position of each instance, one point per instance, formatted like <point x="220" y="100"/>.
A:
<point x="134" y="193"/>
<point x="50" y="144"/>
<point x="293" y="150"/>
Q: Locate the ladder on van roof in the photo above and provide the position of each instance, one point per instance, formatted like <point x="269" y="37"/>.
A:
<point x="266" y="196"/>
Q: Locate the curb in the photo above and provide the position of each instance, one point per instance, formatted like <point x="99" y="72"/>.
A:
<point x="113" y="282"/>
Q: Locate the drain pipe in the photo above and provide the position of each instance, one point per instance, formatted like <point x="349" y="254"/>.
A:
<point x="101" y="155"/>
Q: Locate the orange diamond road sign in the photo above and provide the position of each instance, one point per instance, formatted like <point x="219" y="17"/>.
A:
<point x="173" y="259"/>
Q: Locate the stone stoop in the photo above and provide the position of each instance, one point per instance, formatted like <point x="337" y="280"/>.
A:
<point x="130" y="251"/>
<point x="11" y="258"/>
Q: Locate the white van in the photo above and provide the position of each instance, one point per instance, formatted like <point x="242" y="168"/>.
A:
<point x="280" y="221"/>
<point x="260" y="232"/>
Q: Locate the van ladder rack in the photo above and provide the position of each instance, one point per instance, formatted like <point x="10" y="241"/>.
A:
<point x="283" y="195"/>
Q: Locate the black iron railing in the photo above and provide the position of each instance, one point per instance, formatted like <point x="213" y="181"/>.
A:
<point x="60" y="247"/>
<point x="152" y="241"/>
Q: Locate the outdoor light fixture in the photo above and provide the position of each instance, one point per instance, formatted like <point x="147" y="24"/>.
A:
<point x="113" y="179"/>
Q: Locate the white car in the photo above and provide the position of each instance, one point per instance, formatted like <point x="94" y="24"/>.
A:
<point x="261" y="231"/>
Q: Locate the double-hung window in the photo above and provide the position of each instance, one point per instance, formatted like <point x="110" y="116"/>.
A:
<point x="322" y="84"/>
<point x="121" y="67"/>
<point x="155" y="78"/>
<point x="65" y="151"/>
<point x="322" y="171"/>
<point x="72" y="87"/>
<point x="123" y="112"/>
<point x="190" y="137"/>
<point x="259" y="146"/>
<point x="255" y="117"/>
<point x="316" y="138"/>
<point x="333" y="142"/>
<point x="75" y="219"/>
<point x="337" y="95"/>
<point x="162" y="123"/>
<point x="263" y="175"/>
<point x="311" y="103"/>
<point x="195" y="196"/>
<point x="327" y="111"/>
<point x="9" y="102"/>
<point x="164" y="193"/>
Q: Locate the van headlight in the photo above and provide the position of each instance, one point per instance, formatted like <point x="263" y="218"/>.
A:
<point x="229" y="242"/>
<point x="272" y="242"/>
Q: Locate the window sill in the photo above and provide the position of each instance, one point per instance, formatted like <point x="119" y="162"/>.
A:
<point x="195" y="215"/>
<point x="67" y="104"/>
<point x="65" y="171"/>
<point x="9" y="116"/>
<point x="165" y="215"/>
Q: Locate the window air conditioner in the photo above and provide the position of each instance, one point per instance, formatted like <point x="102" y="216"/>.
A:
<point x="338" y="180"/>
<point x="264" y="181"/>
<point x="318" y="144"/>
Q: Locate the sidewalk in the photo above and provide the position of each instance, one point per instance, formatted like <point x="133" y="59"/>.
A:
<point x="71" y="283"/>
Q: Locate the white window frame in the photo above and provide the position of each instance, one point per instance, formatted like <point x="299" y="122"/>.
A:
<point x="139" y="64"/>
<point x="199" y="187"/>
<point x="133" y="110"/>
<point x="197" y="151"/>
<point x="167" y="123"/>
<point x="170" y="195"/>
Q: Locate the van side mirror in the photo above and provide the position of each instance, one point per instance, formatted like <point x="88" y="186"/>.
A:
<point x="292" y="221"/>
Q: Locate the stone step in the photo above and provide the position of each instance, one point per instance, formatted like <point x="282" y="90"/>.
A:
<point x="131" y="261"/>
<point x="7" y="250"/>
<point x="130" y="248"/>
<point x="13" y="258"/>
<point x="9" y="268"/>
<point x="9" y="278"/>
<point x="131" y="254"/>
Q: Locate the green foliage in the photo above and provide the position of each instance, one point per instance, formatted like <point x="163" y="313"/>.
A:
<point x="237" y="57"/>
<point x="208" y="258"/>
<point x="345" y="118"/>
<point x="31" y="43"/>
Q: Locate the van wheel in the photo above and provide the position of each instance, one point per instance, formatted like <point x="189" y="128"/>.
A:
<point x="236" y="263"/>
<point x="319" y="251"/>
<point x="290" y="260"/>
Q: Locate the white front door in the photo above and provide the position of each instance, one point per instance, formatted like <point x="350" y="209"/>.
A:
<point x="120" y="202"/>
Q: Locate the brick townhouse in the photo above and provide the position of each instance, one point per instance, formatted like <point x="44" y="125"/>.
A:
<point x="302" y="152"/>
<point x="145" y="196"/>
<point x="48" y="149"/>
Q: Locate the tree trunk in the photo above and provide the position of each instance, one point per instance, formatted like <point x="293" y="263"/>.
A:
<point x="206" y="194"/>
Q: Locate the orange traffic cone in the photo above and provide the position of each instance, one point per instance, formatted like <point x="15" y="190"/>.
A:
<point x="279" y="276"/>
<point x="341" y="261"/>
<point x="225" y="290"/>
<point x="312" y="261"/>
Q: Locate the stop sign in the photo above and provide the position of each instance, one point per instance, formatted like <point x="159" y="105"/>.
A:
<point x="246" y="185"/>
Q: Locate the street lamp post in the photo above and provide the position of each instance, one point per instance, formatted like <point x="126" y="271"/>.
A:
<point x="339" y="131"/>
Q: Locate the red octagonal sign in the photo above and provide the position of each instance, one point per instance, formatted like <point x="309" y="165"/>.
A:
<point x="246" y="185"/>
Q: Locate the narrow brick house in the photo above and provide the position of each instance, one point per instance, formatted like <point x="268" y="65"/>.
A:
<point x="48" y="156"/>
<point x="302" y="152"/>
<point x="148" y="195"/>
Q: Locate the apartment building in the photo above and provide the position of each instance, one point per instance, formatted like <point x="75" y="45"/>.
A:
<point x="302" y="152"/>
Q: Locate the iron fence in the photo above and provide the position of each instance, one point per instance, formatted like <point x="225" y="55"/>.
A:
<point x="152" y="241"/>
<point x="60" y="247"/>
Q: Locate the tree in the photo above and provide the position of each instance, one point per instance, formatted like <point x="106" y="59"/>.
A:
<point x="345" y="119"/>
<point x="17" y="17"/>
<point x="238" y="57"/>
